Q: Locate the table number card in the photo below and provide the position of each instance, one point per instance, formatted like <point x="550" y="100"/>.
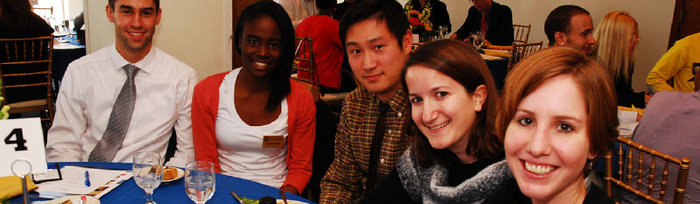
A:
<point x="22" y="139"/>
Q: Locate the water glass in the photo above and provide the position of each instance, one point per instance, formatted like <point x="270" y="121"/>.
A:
<point x="477" y="39"/>
<point x="148" y="172"/>
<point x="200" y="181"/>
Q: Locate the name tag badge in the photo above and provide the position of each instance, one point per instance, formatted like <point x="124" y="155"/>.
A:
<point x="276" y="141"/>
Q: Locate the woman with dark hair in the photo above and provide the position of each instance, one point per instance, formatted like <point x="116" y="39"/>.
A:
<point x="455" y="154"/>
<point x="558" y="115"/>
<point x="17" y="20"/>
<point x="254" y="122"/>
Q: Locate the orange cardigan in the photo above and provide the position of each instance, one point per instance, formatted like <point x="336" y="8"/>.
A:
<point x="301" y="123"/>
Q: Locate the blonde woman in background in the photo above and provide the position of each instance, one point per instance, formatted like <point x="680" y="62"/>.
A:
<point x="618" y="35"/>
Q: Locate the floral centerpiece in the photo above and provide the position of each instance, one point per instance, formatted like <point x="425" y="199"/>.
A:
<point x="420" y="21"/>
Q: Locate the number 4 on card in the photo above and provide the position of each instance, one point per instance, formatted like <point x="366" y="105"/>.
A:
<point x="18" y="139"/>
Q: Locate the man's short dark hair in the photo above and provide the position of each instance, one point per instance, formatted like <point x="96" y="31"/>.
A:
<point x="559" y="20"/>
<point x="389" y="11"/>
<point x="325" y="4"/>
<point x="111" y="4"/>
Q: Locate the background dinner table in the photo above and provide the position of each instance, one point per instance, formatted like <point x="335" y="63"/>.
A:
<point x="174" y="191"/>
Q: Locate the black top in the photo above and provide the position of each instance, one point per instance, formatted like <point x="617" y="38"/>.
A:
<point x="510" y="194"/>
<point x="27" y="26"/>
<point x="626" y="95"/>
<point x="438" y="14"/>
<point x="499" y="29"/>
<point x="391" y="190"/>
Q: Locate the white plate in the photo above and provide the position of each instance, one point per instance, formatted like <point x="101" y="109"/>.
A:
<point x="279" y="201"/>
<point x="75" y="199"/>
<point x="180" y="174"/>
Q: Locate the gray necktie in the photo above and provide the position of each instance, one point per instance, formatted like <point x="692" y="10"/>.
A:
<point x="119" y="120"/>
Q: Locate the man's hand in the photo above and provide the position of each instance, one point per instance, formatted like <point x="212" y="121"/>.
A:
<point x="453" y="36"/>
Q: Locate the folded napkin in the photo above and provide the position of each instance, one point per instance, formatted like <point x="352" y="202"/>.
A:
<point x="11" y="186"/>
<point x="499" y="53"/>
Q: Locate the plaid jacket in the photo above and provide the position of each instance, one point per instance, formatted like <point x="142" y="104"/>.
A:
<point x="345" y="179"/>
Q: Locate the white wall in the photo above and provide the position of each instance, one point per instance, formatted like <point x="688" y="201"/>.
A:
<point x="654" y="18"/>
<point x="74" y="8"/>
<point x="195" y="32"/>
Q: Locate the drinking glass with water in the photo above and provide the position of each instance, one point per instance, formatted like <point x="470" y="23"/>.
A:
<point x="148" y="172"/>
<point x="200" y="181"/>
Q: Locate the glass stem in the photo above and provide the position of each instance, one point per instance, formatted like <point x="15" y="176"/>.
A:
<point x="149" y="197"/>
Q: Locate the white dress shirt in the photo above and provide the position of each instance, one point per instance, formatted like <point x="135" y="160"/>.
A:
<point x="90" y="87"/>
<point x="241" y="151"/>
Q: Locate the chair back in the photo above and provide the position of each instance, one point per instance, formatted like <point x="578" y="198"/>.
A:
<point x="25" y="69"/>
<point x="521" y="51"/>
<point x="304" y="67"/>
<point x="521" y="33"/>
<point x="639" y="175"/>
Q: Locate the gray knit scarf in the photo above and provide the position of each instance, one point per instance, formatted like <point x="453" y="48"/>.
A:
<point x="430" y="185"/>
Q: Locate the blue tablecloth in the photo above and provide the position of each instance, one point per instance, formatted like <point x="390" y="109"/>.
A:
<point x="174" y="192"/>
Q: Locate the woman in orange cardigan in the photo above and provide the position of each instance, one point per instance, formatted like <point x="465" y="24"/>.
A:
<point x="254" y="122"/>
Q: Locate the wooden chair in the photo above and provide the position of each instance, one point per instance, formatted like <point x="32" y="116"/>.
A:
<point x="25" y="64"/>
<point x="305" y="66"/>
<point x="640" y="179"/>
<point x="521" y="33"/>
<point x="521" y="51"/>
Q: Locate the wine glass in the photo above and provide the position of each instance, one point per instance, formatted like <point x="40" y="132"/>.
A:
<point x="477" y="40"/>
<point x="148" y="172"/>
<point x="442" y="32"/>
<point x="200" y="181"/>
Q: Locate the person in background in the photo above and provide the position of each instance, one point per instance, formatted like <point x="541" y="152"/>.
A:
<point x="618" y="35"/>
<point x="670" y="124"/>
<point x="493" y="20"/>
<point x="341" y="8"/>
<point x="571" y="26"/>
<point x="454" y="158"/>
<point x="372" y="130"/>
<point x="327" y="49"/>
<point x="17" y="20"/>
<point x="681" y="63"/>
<point x="558" y="115"/>
<point x="254" y="122"/>
<point x="298" y="10"/>
<point x="124" y="98"/>
<point x="436" y="9"/>
<point x="79" y="21"/>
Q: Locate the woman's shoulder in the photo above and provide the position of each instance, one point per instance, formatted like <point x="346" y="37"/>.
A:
<point x="298" y="92"/>
<point x="216" y="78"/>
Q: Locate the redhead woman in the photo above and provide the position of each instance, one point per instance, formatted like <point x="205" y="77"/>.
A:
<point x="254" y="122"/>
<point x="558" y="115"/>
<point x="618" y="36"/>
<point x="455" y="153"/>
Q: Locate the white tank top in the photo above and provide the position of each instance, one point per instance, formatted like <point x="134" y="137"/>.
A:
<point x="241" y="153"/>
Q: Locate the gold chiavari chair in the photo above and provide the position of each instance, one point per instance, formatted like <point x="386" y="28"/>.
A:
<point x="639" y="175"/>
<point x="521" y="33"/>
<point x="521" y="51"/>
<point x="305" y="66"/>
<point x="25" y="68"/>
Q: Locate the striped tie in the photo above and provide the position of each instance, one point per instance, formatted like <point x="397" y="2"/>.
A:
<point x="119" y="120"/>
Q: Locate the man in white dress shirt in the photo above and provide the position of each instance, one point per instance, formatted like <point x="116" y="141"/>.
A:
<point x="163" y="87"/>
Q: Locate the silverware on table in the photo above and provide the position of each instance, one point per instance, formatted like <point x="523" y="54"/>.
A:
<point x="237" y="197"/>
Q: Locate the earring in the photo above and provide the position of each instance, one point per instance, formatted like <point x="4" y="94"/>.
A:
<point x="561" y="44"/>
